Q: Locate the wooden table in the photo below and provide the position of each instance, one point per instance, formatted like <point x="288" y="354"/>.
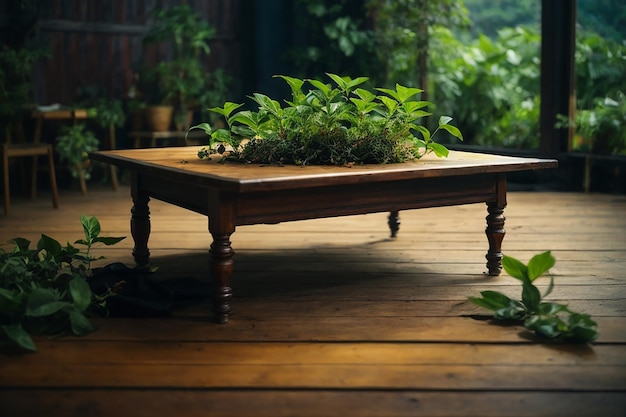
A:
<point x="232" y="195"/>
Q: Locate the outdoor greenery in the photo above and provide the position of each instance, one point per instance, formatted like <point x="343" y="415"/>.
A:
<point x="44" y="290"/>
<point x="548" y="319"/>
<point x="482" y="60"/>
<point x="329" y="124"/>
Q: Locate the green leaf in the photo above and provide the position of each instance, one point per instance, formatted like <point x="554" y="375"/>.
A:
<point x="205" y="127"/>
<point x="514" y="311"/>
<point x="515" y="268"/>
<point x="108" y="241"/>
<point x="355" y="82"/>
<point x="582" y="328"/>
<point x="539" y="264"/>
<point x="547" y="309"/>
<point x="50" y="245"/>
<point x="21" y="244"/>
<point x="423" y="130"/>
<point x="91" y="227"/>
<point x="224" y="136"/>
<point x="492" y="300"/>
<point x="80" y="292"/>
<point x="324" y="88"/>
<point x="411" y="107"/>
<point x="365" y="95"/>
<point x="548" y="326"/>
<point x="405" y="93"/>
<point x="79" y="323"/>
<point x="295" y="84"/>
<point x="16" y="333"/>
<point x="363" y="106"/>
<point x="439" y="150"/>
<point x="10" y="301"/>
<point x="391" y="104"/>
<point x="225" y="111"/>
<point x="444" y="120"/>
<point x="342" y="82"/>
<point x="454" y="131"/>
<point x="43" y="302"/>
<point x="268" y="104"/>
<point x="531" y="297"/>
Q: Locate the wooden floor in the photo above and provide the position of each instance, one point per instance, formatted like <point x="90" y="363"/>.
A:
<point x="332" y="318"/>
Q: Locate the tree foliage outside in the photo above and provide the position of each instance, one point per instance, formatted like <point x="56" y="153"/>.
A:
<point x="482" y="60"/>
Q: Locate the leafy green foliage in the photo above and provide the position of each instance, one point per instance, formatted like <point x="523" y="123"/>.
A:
<point x="44" y="290"/>
<point x="73" y="146"/>
<point x="600" y="120"/>
<point x="330" y="124"/>
<point x="491" y="85"/>
<point x="548" y="319"/>
<point x="182" y="81"/>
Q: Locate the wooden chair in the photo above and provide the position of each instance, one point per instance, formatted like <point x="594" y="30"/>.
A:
<point x="73" y="116"/>
<point x="24" y="149"/>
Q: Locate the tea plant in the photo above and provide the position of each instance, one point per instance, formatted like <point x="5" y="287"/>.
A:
<point x="548" y="319"/>
<point x="44" y="290"/>
<point x="329" y="124"/>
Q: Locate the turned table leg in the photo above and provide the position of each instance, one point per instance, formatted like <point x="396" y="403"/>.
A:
<point x="221" y="262"/>
<point x="140" y="226"/>
<point x="495" y="233"/>
<point x="394" y="223"/>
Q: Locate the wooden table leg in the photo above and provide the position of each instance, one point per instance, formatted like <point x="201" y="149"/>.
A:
<point x="221" y="259"/>
<point x="394" y="223"/>
<point x="495" y="227"/>
<point x="140" y="225"/>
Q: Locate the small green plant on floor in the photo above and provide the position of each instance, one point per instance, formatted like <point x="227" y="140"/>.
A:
<point x="329" y="124"/>
<point x="548" y="319"/>
<point x="44" y="290"/>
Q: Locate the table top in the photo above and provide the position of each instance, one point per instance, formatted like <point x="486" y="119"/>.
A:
<point x="62" y="114"/>
<point x="182" y="164"/>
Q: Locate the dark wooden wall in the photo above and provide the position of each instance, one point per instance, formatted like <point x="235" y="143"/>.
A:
<point x="99" y="42"/>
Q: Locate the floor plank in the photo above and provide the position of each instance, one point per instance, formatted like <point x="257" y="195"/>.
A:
<point x="333" y="318"/>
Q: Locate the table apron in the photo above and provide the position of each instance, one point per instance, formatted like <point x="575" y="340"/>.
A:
<point x="317" y="202"/>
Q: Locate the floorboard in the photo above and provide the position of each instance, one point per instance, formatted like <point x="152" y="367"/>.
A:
<point x="333" y="318"/>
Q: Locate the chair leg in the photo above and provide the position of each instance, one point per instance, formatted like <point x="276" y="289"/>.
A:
<point x="53" y="179"/>
<point x="114" y="181"/>
<point x="5" y="174"/>
<point x="33" y="178"/>
<point x="81" y="179"/>
<point x="112" y="170"/>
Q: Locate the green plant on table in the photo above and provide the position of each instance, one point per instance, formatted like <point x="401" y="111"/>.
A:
<point x="44" y="290"/>
<point x="548" y="319"/>
<point x="329" y="124"/>
<point x="73" y="146"/>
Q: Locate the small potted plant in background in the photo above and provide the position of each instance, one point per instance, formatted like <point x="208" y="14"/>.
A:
<point x="73" y="146"/>
<point x="175" y="84"/>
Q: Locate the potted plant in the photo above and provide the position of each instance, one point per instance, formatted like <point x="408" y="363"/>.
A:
<point x="73" y="146"/>
<point x="340" y="123"/>
<point x="176" y="83"/>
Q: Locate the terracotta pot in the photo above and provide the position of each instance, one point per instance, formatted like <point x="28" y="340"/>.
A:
<point x="159" y="118"/>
